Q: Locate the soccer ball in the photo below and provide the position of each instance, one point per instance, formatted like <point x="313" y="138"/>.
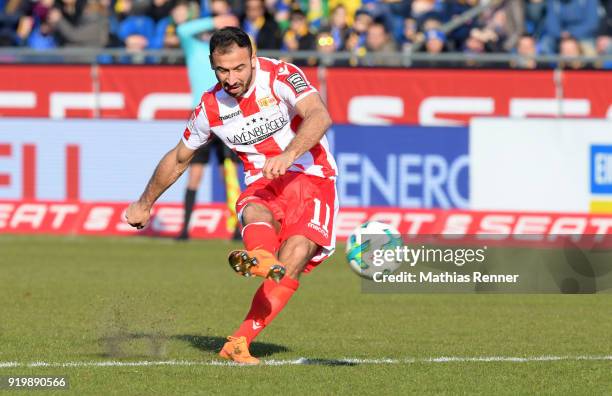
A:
<point x="364" y="241"/>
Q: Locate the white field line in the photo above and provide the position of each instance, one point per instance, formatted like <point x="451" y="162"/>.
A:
<point x="306" y="361"/>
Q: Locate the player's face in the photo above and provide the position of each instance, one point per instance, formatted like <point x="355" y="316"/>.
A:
<point x="234" y="69"/>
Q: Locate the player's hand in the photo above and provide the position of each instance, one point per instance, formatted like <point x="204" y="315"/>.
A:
<point x="137" y="215"/>
<point x="277" y="166"/>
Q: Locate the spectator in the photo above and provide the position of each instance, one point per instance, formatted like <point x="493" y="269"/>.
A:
<point x="90" y="29"/>
<point x="165" y="32"/>
<point x="298" y="37"/>
<point x="605" y="28"/>
<point x="435" y="42"/>
<point x="137" y="32"/>
<point x="431" y="23"/>
<point x="71" y="9"/>
<point x="474" y="45"/>
<point x="570" y="48"/>
<point x="9" y="22"/>
<point x="281" y="9"/>
<point x="501" y="27"/>
<point x="160" y="9"/>
<point x="42" y="37"/>
<point x="194" y="39"/>
<point x="326" y="47"/>
<point x="30" y="17"/>
<point x="603" y="44"/>
<point x="535" y="11"/>
<point x="421" y="8"/>
<point x="570" y="18"/>
<point x="410" y="35"/>
<point x="379" y="11"/>
<point x="526" y="51"/>
<point x="380" y="47"/>
<point x="451" y="9"/>
<point x="350" y="6"/>
<point x="339" y="26"/>
<point x="316" y="12"/>
<point x="513" y="23"/>
<point x="356" y="38"/>
<point x="604" y="48"/>
<point x="220" y="7"/>
<point x="261" y="26"/>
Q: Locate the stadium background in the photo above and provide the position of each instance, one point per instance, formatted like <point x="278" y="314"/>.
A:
<point x="486" y="136"/>
<point x="415" y="74"/>
<point x="80" y="141"/>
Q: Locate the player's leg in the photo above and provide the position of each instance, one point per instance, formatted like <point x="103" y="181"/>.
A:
<point x="259" y="229"/>
<point x="259" y="234"/>
<point x="196" y="172"/>
<point x="271" y="298"/>
<point x="296" y="253"/>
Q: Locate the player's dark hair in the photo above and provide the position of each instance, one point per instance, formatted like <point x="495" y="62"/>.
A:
<point x="224" y="39"/>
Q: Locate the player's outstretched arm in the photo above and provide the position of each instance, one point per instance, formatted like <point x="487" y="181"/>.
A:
<point x="169" y="169"/>
<point x="315" y="122"/>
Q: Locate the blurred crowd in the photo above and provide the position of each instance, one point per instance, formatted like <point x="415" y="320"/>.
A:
<point x="375" y="27"/>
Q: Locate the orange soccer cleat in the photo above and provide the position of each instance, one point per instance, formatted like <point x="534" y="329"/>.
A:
<point x="257" y="262"/>
<point x="236" y="349"/>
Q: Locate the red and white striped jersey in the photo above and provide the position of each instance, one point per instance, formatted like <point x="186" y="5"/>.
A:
<point x="262" y="122"/>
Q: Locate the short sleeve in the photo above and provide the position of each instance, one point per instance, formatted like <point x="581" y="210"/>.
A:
<point x="291" y="84"/>
<point x="197" y="133"/>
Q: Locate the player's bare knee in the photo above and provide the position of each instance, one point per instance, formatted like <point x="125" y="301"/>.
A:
<point x="295" y="253"/>
<point x="254" y="212"/>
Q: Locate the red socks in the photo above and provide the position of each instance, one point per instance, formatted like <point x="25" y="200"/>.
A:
<point x="271" y="297"/>
<point x="269" y="300"/>
<point x="260" y="235"/>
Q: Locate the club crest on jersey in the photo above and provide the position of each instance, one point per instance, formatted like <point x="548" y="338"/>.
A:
<point x="297" y="82"/>
<point x="266" y="102"/>
<point x="256" y="129"/>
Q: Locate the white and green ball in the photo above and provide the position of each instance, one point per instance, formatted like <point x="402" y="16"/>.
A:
<point x="364" y="241"/>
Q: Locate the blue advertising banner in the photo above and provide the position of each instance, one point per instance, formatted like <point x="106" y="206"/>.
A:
<point x="106" y="160"/>
<point x="402" y="166"/>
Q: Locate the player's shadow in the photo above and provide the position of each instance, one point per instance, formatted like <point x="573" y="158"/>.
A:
<point x="214" y="344"/>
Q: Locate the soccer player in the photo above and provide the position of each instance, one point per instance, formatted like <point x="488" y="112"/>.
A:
<point x="268" y="113"/>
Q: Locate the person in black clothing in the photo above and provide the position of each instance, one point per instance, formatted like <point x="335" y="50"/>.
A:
<point x="261" y="26"/>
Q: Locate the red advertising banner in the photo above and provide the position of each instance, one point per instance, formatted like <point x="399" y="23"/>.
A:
<point x="359" y="96"/>
<point x="136" y="92"/>
<point x="209" y="221"/>
<point x="451" y="97"/>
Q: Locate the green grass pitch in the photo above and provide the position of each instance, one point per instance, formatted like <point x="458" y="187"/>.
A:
<point x="87" y="299"/>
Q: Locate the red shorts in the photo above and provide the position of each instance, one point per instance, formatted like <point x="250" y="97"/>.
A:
<point x="302" y="204"/>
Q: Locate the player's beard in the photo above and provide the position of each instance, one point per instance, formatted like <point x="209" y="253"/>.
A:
<point x="244" y="88"/>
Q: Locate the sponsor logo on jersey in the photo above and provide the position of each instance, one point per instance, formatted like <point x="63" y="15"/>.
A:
<point x="319" y="229"/>
<point x="257" y="128"/>
<point x="297" y="82"/>
<point x="230" y="115"/>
